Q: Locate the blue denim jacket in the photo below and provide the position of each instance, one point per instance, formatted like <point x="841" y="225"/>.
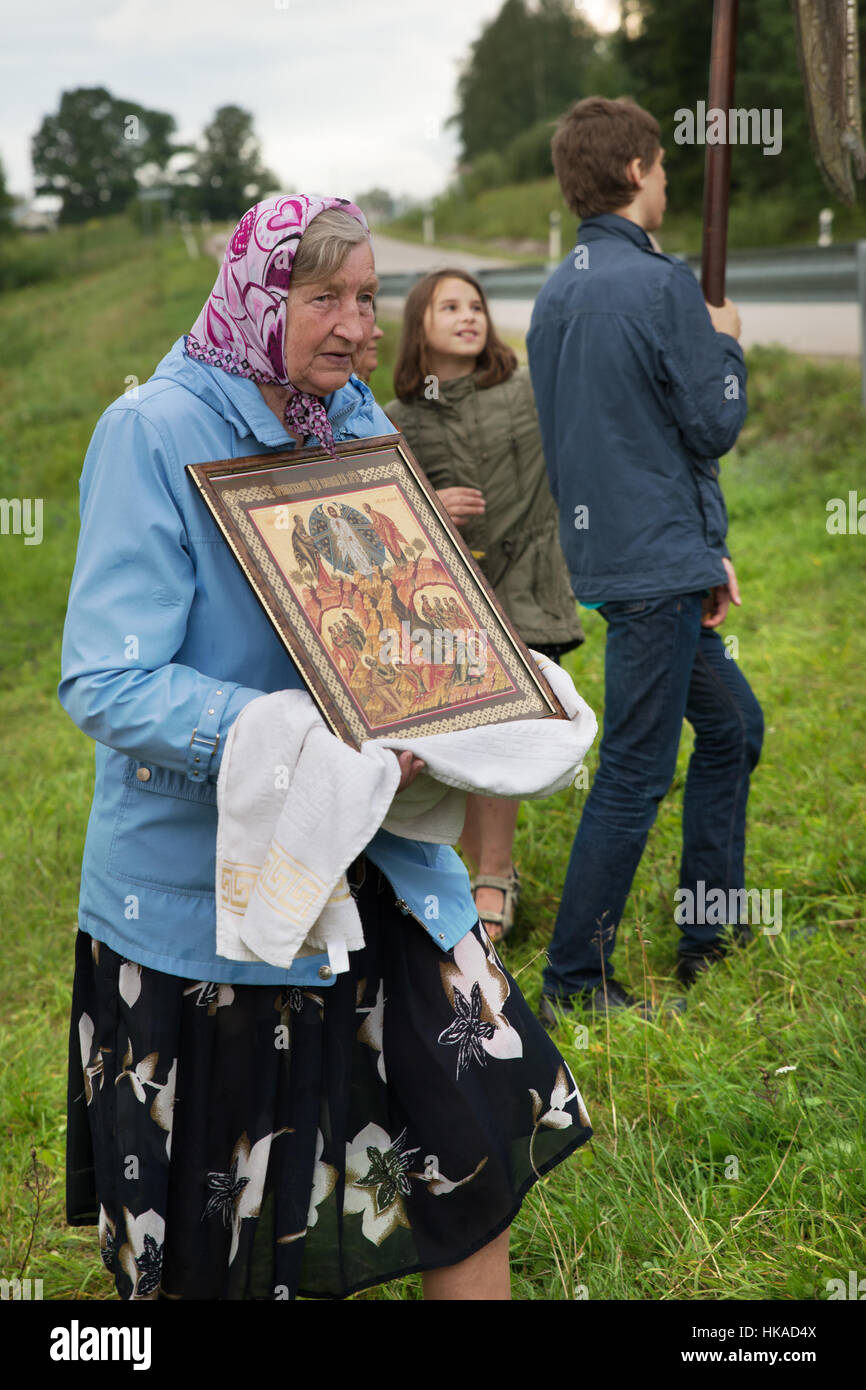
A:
<point x="164" y="645"/>
<point x="637" y="396"/>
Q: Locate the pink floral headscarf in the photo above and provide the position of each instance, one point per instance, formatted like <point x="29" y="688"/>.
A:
<point x="242" y="327"/>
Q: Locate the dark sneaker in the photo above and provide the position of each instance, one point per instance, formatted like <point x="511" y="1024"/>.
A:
<point x="604" y="999"/>
<point x="691" y="964"/>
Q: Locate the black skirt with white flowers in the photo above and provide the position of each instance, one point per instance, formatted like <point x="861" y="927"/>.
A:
<point x="247" y="1141"/>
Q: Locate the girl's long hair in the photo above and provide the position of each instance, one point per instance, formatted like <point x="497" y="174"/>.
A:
<point x="495" y="364"/>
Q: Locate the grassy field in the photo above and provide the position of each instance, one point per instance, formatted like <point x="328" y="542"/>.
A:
<point x="728" y="1158"/>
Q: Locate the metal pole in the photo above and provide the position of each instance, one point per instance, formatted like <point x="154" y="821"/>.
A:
<point x="717" y="175"/>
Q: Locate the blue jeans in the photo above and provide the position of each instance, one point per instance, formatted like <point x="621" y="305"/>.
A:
<point x="660" y="666"/>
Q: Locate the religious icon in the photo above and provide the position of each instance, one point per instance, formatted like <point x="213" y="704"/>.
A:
<point x="372" y="590"/>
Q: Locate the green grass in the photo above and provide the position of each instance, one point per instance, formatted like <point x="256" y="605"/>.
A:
<point x="651" y="1209"/>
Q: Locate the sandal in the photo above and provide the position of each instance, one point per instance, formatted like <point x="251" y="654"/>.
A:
<point x="510" y="890"/>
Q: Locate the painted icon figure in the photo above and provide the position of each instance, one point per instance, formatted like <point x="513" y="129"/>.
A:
<point x="346" y="539"/>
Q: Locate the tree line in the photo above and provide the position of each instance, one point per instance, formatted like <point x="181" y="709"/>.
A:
<point x="98" y="153"/>
<point x="532" y="61"/>
<point x="527" y="66"/>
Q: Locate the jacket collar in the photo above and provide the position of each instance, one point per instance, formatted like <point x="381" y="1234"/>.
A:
<point x="451" y="393"/>
<point x="240" y="402"/>
<point x="611" y="224"/>
<point x="458" y="387"/>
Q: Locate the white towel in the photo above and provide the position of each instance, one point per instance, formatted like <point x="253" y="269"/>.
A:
<point x="296" y="806"/>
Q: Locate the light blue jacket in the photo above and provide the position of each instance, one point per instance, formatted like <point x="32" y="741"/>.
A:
<point x="164" y="645"/>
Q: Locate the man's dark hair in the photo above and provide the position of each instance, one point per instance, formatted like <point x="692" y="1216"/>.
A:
<point x="593" y="144"/>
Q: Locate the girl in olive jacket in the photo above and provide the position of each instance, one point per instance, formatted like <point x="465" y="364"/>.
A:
<point x="469" y="417"/>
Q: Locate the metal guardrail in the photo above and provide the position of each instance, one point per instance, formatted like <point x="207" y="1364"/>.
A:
<point x="779" y="275"/>
<point x="793" y="275"/>
<point x="797" y="275"/>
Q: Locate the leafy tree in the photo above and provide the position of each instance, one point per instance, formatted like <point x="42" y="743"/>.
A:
<point x="7" y="203"/>
<point x="229" y="172"/>
<point x="528" y="155"/>
<point x="377" y="204"/>
<point x="526" y="66"/>
<point x="664" y="46"/>
<point x="488" y="170"/>
<point x="89" y="152"/>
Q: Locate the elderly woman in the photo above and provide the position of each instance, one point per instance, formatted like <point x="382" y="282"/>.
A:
<point x="237" y="1130"/>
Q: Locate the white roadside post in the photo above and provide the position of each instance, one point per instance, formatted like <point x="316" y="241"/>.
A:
<point x="554" y="238"/>
<point x="825" y="227"/>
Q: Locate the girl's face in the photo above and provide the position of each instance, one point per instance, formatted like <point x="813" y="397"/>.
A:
<point x="455" y="324"/>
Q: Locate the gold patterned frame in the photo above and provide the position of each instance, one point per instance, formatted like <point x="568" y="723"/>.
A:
<point x="229" y="486"/>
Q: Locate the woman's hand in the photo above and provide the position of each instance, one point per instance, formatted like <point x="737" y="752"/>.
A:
<point x="461" y="503"/>
<point x="410" y="767"/>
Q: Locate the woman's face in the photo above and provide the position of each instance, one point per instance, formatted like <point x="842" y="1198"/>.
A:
<point x="366" y="357"/>
<point x="327" y="321"/>
<point x="455" y="324"/>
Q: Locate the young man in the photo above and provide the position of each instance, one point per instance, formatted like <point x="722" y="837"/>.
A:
<point x="640" y="386"/>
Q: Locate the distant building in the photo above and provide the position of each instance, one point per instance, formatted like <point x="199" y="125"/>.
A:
<point x="33" y="216"/>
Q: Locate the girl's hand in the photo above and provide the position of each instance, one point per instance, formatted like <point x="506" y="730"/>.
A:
<point x="461" y="503"/>
<point x="410" y="767"/>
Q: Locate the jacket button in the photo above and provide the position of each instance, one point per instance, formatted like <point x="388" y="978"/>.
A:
<point x="143" y="774"/>
<point x="442" y="936"/>
<point x="325" y="972"/>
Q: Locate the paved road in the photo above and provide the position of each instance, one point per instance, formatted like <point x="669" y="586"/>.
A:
<point x="824" y="330"/>
<point x="394" y="257"/>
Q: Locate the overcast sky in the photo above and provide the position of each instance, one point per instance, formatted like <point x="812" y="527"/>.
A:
<point x="346" y="94"/>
